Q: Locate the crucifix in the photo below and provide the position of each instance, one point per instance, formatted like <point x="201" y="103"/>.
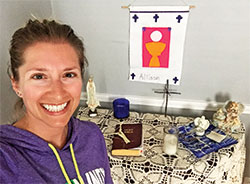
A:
<point x="167" y="93"/>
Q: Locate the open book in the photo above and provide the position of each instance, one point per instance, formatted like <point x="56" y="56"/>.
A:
<point x="131" y="144"/>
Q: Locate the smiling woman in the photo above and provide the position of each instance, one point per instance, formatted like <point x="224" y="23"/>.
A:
<point x="45" y="71"/>
<point x="47" y="62"/>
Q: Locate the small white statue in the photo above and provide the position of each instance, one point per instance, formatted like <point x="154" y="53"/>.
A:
<point x="219" y="118"/>
<point x="92" y="100"/>
<point x="227" y="117"/>
<point x="201" y="124"/>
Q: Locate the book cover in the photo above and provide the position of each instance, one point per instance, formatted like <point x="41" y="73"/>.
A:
<point x="133" y="133"/>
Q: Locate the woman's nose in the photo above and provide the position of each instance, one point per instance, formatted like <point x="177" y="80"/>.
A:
<point x="58" y="90"/>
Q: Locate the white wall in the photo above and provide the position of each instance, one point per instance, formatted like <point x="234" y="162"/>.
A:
<point x="216" y="58"/>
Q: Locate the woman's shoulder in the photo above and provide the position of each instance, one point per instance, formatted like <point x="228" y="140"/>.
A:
<point x="87" y="131"/>
<point x="85" y="126"/>
<point x="9" y="156"/>
<point x="6" y="132"/>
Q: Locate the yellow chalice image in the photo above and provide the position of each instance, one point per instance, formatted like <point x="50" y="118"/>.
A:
<point x="155" y="48"/>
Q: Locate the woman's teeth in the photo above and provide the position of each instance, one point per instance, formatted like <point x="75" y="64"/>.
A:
<point x="55" y="108"/>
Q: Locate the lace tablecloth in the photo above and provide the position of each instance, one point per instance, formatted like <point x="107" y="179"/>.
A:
<point x="154" y="167"/>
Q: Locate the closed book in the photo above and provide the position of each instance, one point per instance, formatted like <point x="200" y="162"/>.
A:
<point x="133" y="132"/>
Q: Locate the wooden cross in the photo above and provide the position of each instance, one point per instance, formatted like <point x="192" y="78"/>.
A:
<point x="167" y="93"/>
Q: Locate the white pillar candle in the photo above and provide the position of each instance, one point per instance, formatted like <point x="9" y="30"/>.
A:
<point x="170" y="144"/>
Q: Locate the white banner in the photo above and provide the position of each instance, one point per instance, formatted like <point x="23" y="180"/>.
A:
<point x="157" y="35"/>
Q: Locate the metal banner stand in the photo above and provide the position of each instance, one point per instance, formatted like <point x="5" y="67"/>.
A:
<point x="167" y="93"/>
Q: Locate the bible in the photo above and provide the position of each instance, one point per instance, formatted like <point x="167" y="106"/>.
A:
<point x="128" y="140"/>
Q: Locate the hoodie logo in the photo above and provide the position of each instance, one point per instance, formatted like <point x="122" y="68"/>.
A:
<point x="74" y="181"/>
<point x="96" y="176"/>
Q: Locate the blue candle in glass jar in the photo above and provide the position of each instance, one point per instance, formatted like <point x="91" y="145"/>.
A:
<point x="121" y="108"/>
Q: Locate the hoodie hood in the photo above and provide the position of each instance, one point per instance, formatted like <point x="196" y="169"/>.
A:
<point x="24" y="139"/>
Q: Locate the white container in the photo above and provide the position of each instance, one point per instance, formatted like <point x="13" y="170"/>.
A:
<point x="170" y="144"/>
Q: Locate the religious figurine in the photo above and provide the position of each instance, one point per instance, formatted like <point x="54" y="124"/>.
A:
<point x="92" y="100"/>
<point x="227" y="117"/>
<point x="201" y="124"/>
<point x="218" y="118"/>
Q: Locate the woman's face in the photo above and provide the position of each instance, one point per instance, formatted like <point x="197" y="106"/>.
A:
<point x="50" y="83"/>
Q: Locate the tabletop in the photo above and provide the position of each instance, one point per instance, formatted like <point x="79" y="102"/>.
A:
<point x="154" y="167"/>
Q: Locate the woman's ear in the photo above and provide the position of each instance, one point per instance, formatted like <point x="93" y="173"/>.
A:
<point x="15" y="87"/>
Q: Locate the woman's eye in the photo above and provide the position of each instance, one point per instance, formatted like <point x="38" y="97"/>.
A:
<point x="70" y="75"/>
<point x="38" y="76"/>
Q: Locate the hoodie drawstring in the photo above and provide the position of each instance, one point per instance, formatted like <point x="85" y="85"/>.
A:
<point x="61" y="164"/>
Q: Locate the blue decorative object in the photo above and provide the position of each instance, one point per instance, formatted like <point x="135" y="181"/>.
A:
<point x="135" y="17"/>
<point x="202" y="145"/>
<point x="121" y="108"/>
<point x="156" y="17"/>
<point x="175" y="79"/>
<point x="179" y="17"/>
<point x="133" y="76"/>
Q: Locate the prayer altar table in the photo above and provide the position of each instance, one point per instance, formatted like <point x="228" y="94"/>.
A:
<point x="154" y="167"/>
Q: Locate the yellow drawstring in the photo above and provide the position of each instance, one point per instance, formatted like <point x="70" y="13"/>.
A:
<point x="75" y="164"/>
<point x="61" y="164"/>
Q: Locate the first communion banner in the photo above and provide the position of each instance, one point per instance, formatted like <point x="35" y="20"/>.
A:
<point x="157" y="36"/>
